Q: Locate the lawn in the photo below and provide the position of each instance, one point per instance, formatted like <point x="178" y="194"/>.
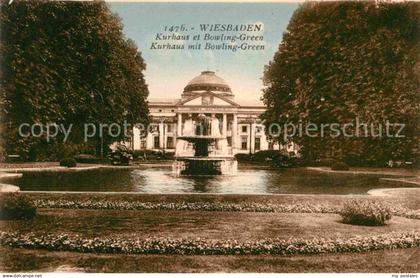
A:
<point x="139" y="224"/>
<point x="241" y="226"/>
<point x="409" y="201"/>
<point x="22" y="260"/>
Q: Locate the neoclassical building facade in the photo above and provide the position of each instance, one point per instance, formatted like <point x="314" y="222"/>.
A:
<point x="205" y="95"/>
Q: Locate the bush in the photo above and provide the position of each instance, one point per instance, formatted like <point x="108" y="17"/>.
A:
<point x="152" y="155"/>
<point x="267" y="155"/>
<point x="368" y="213"/>
<point x="16" y="206"/>
<point x="68" y="162"/>
<point x="340" y="166"/>
<point x="271" y="157"/>
<point x="243" y="157"/>
<point x="87" y="158"/>
<point x="44" y="151"/>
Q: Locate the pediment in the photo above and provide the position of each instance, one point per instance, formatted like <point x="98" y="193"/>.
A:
<point x="207" y="99"/>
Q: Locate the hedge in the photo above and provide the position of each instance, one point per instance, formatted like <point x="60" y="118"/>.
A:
<point x="300" y="207"/>
<point x="198" y="246"/>
<point x="68" y="162"/>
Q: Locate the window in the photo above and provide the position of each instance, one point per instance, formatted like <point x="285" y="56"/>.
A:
<point x="229" y="125"/>
<point x="229" y="141"/>
<point x="169" y="128"/>
<point x="170" y="143"/>
<point x="258" y="129"/>
<point x="244" y="129"/>
<point x="270" y="146"/>
<point x="154" y="128"/>
<point x="143" y="143"/>
<point x="156" y="142"/>
<point x="244" y="143"/>
<point x="257" y="143"/>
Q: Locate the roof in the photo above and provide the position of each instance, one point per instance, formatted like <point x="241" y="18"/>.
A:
<point x="163" y="101"/>
<point x="208" y="81"/>
<point x="178" y="102"/>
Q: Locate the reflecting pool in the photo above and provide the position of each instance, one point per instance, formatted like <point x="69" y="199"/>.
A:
<point x="246" y="181"/>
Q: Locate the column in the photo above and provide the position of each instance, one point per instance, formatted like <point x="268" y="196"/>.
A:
<point x="136" y="139"/>
<point x="175" y="134"/>
<point x="234" y="132"/>
<point x="149" y="141"/>
<point x="252" y="137"/>
<point x="224" y="125"/>
<point x="179" y="125"/>
<point x="161" y="134"/>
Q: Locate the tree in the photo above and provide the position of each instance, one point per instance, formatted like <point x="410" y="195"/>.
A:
<point x="342" y="61"/>
<point x="67" y="63"/>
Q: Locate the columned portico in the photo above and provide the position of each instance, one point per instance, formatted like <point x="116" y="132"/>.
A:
<point x="161" y="135"/>
<point x="224" y="125"/>
<point x="179" y="124"/>
<point x="234" y="132"/>
<point x="205" y="95"/>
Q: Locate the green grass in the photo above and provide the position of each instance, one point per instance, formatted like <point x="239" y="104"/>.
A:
<point x="317" y="199"/>
<point x="397" y="261"/>
<point x="205" y="224"/>
<point x="241" y="226"/>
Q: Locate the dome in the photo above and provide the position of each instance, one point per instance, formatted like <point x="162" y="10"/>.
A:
<point x="208" y="81"/>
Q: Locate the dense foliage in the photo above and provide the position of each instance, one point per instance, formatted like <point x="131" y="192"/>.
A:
<point x="66" y="63"/>
<point x="152" y="155"/>
<point x="369" y="213"/>
<point x="270" y="157"/>
<point x="340" y="166"/>
<point x="87" y="158"/>
<point x="16" y="206"/>
<point x="342" y="61"/>
<point x="68" y="162"/>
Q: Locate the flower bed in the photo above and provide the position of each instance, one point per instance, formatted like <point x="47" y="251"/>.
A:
<point x="64" y="242"/>
<point x="196" y="206"/>
<point x="301" y="207"/>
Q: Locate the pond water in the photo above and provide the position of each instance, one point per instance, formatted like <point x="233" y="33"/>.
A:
<point x="246" y="181"/>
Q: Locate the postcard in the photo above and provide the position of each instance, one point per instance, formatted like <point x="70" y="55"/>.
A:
<point x="272" y="138"/>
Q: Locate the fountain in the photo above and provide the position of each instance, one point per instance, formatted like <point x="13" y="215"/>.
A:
<point x="201" y="150"/>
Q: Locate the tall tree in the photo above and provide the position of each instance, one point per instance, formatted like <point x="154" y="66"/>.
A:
<point x="345" y="60"/>
<point x="66" y="63"/>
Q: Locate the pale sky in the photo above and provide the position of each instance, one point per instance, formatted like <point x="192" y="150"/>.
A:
<point x="168" y="71"/>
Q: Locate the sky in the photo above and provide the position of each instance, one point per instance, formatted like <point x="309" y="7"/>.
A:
<point x="168" y="71"/>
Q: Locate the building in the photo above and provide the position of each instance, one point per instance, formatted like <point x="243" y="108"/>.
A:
<point x="206" y="94"/>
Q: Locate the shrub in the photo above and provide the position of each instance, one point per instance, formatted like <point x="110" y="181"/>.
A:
<point x="139" y="154"/>
<point x="243" y="157"/>
<point x="86" y="158"/>
<point x="272" y="157"/>
<point x="369" y="213"/>
<point x="165" y="155"/>
<point x="152" y="155"/>
<point x="145" y="153"/>
<point x="340" y="166"/>
<point x="267" y="155"/>
<point x="68" y="162"/>
<point x="44" y="151"/>
<point x="16" y="206"/>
